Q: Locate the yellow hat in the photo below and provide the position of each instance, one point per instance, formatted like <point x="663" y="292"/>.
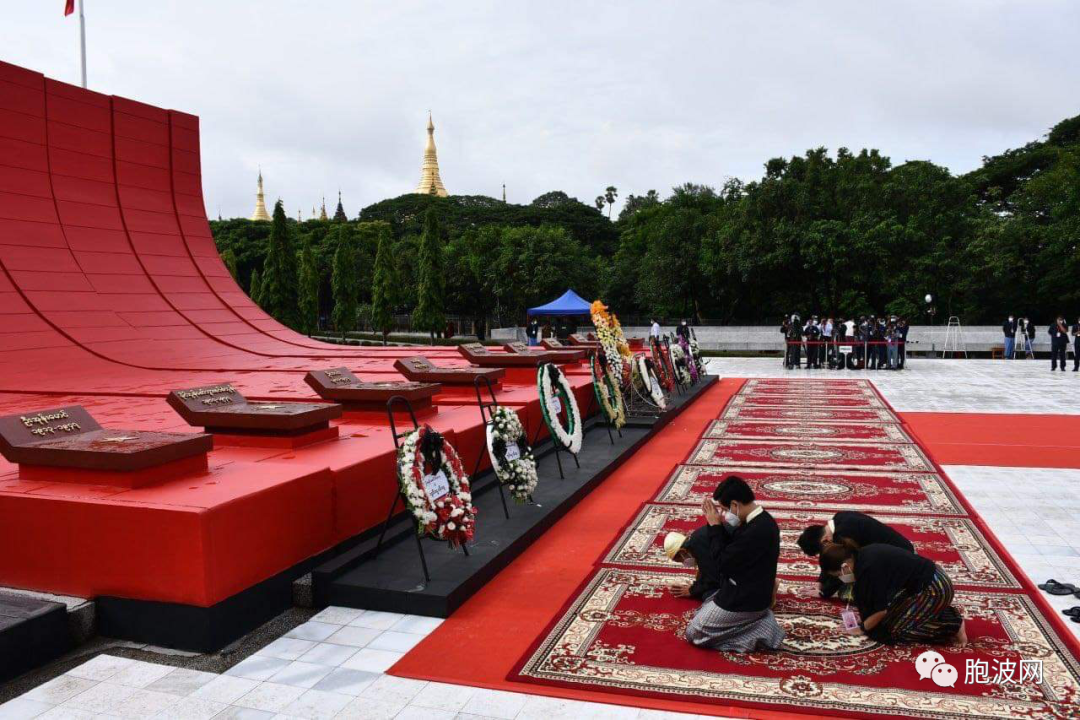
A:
<point x="673" y="543"/>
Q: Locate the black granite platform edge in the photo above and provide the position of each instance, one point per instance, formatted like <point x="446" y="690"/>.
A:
<point x="32" y="632"/>
<point x="394" y="580"/>
<point x="208" y="629"/>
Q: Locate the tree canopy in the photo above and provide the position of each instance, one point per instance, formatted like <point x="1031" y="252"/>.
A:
<point x="844" y="232"/>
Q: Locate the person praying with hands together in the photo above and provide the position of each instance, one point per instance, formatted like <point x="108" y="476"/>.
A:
<point x="739" y="617"/>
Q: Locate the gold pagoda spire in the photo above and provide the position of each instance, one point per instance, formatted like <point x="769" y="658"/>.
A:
<point x="260" y="204"/>
<point x="430" y="182"/>
<point x="322" y="212"/>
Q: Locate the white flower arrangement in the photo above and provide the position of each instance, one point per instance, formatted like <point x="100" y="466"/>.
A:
<point x="649" y="382"/>
<point x="679" y="364"/>
<point x="519" y="474"/>
<point x="607" y="390"/>
<point x="555" y="391"/>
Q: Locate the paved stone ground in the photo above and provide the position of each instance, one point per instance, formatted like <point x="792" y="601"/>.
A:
<point x="332" y="665"/>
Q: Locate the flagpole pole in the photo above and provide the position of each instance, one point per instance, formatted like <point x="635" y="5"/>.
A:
<point x="82" y="42"/>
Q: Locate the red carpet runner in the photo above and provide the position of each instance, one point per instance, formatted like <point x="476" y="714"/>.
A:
<point x="811" y="448"/>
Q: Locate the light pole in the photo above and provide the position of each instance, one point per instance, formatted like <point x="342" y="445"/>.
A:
<point x="931" y="310"/>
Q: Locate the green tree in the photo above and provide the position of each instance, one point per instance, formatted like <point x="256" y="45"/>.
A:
<point x="431" y="291"/>
<point x="255" y="287"/>
<point x="229" y="258"/>
<point x="344" y="283"/>
<point x="599" y="202"/>
<point x="309" y="290"/>
<point x="470" y="285"/>
<point x="280" y="286"/>
<point x="384" y="287"/>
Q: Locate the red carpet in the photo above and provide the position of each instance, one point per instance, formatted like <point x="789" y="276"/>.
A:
<point x="620" y="632"/>
<point x="1051" y="441"/>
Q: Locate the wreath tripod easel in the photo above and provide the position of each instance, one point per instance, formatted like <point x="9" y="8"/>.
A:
<point x="445" y="458"/>
<point x="556" y="399"/>
<point x="606" y="394"/>
<point x="511" y="457"/>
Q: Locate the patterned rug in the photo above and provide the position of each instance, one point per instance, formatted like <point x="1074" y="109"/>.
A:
<point x="854" y="415"/>
<point x="623" y="630"/>
<point x="811" y="455"/>
<point x="840" y="432"/>
<point x="869" y="492"/>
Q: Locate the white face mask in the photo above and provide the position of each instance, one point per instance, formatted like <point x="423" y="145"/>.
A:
<point x="731" y="518"/>
<point x="846" y="576"/>
<point x="689" y="562"/>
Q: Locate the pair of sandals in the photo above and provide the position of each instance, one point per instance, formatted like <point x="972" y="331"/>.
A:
<point x="1056" y="588"/>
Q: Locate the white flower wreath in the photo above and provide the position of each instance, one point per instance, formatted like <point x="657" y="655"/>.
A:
<point x="649" y="381"/>
<point x="556" y="394"/>
<point x="679" y="364"/>
<point x="511" y="457"/>
<point x="607" y="389"/>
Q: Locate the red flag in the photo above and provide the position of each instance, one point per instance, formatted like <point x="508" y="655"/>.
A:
<point x="69" y="7"/>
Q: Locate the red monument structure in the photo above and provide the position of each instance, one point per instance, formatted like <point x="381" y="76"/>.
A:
<point x="112" y="294"/>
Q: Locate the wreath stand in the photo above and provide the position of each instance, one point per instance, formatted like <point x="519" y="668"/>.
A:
<point x="674" y="376"/>
<point x="485" y="419"/>
<point x="555" y="441"/>
<point x="592" y="402"/>
<point x="639" y="404"/>
<point x="393" y="505"/>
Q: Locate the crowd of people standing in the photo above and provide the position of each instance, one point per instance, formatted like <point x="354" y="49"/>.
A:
<point x="1023" y="330"/>
<point x="872" y="343"/>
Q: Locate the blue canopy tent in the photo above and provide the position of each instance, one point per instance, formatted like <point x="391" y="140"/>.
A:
<point x="570" y="303"/>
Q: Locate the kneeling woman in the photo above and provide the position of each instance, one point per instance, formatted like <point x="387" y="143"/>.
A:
<point x="901" y="597"/>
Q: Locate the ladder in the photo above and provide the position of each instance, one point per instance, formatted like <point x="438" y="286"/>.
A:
<point x="954" y="333"/>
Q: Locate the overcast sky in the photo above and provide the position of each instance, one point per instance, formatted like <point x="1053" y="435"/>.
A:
<point x="573" y="96"/>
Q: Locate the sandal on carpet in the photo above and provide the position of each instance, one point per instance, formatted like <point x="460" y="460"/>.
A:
<point x="1055" y="588"/>
<point x="1072" y="612"/>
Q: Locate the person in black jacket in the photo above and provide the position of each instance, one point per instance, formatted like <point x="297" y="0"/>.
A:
<point x="1059" y="343"/>
<point x="1076" y="345"/>
<point x="1008" y="329"/>
<point x="532" y="331"/>
<point x="902" y="329"/>
<point x="700" y="551"/>
<point x="792" y="331"/>
<point x="901" y="597"/>
<point x="739" y="617"/>
<point x="855" y="530"/>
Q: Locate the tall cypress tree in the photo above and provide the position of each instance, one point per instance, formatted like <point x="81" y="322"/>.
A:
<point x="309" y="290"/>
<point x="255" y="287"/>
<point x="344" y="281"/>
<point x="280" y="285"/>
<point x="384" y="285"/>
<point x="431" y="284"/>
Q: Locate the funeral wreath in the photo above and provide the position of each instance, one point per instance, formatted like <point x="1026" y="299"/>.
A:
<point x="645" y="378"/>
<point x="607" y="389"/>
<point x="511" y="457"/>
<point x="556" y="395"/>
<point x="435" y="487"/>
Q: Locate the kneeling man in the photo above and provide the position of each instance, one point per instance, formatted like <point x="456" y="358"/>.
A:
<point x="739" y="617"/>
